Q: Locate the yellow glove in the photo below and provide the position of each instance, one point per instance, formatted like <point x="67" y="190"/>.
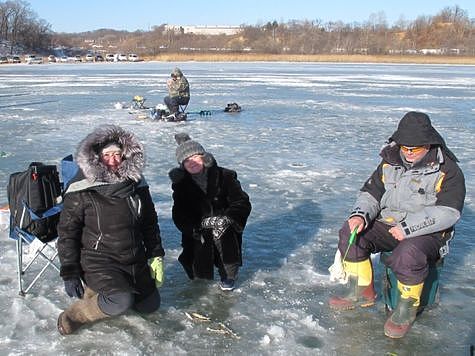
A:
<point x="157" y="271"/>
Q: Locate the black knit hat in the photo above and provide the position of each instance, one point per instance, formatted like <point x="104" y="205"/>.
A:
<point x="187" y="147"/>
<point x="415" y="129"/>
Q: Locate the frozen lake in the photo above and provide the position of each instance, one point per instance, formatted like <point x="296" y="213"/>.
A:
<point x="306" y="140"/>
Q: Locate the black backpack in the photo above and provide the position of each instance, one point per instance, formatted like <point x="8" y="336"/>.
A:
<point x="232" y="107"/>
<point x="34" y="199"/>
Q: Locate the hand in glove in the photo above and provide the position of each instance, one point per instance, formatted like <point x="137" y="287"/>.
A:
<point x="198" y="235"/>
<point x="157" y="270"/>
<point x="74" y="287"/>
<point x="219" y="224"/>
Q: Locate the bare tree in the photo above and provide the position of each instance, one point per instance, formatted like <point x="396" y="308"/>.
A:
<point x="450" y="30"/>
<point x="20" y="25"/>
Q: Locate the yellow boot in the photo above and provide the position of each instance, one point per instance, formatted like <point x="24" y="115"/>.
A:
<point x="401" y="320"/>
<point x="83" y="311"/>
<point x="360" y="284"/>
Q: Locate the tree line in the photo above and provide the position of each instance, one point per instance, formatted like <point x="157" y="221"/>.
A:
<point x="451" y="31"/>
<point x="21" y="27"/>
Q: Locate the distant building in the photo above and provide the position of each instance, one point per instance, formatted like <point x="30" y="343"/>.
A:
<point x="205" y="30"/>
<point x="432" y="51"/>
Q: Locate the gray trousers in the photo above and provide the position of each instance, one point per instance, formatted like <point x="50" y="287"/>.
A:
<point x="410" y="258"/>
<point x="118" y="303"/>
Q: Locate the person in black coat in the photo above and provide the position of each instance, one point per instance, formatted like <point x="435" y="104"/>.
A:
<point x="108" y="231"/>
<point x="211" y="210"/>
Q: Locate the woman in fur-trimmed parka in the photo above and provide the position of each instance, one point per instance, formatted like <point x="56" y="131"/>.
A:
<point x="108" y="230"/>
<point x="211" y="210"/>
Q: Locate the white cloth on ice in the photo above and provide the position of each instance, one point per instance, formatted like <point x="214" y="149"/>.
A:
<point x="337" y="273"/>
<point x="161" y="107"/>
<point x="120" y="105"/>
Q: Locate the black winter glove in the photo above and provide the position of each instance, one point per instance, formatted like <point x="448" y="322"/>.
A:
<point x="74" y="287"/>
<point x="198" y="235"/>
<point x="219" y="224"/>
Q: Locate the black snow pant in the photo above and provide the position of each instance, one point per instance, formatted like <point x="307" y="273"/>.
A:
<point x="410" y="258"/>
<point x="200" y="255"/>
<point x="173" y="103"/>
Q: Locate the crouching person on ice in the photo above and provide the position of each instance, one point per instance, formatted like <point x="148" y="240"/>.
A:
<point x="108" y="232"/>
<point x="409" y="206"/>
<point x="211" y="210"/>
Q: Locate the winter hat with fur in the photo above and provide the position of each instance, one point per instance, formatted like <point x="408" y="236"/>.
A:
<point x="91" y="147"/>
<point x="188" y="147"/>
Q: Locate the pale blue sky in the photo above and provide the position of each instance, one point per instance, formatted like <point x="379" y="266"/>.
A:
<point x="131" y="15"/>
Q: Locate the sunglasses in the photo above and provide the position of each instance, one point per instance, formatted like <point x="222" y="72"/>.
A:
<point x="415" y="150"/>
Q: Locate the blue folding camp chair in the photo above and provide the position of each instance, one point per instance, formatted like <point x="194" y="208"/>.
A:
<point x="44" y="253"/>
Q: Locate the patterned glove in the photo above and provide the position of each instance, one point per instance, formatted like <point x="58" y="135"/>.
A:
<point x="74" y="287"/>
<point x="157" y="271"/>
<point x="219" y="224"/>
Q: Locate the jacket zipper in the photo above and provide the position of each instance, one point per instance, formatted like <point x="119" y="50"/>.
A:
<point x="99" y="238"/>
<point x="135" y="215"/>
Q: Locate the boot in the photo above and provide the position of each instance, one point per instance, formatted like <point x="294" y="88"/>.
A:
<point x="81" y="312"/>
<point x="401" y="320"/>
<point x="88" y="293"/>
<point x="360" y="287"/>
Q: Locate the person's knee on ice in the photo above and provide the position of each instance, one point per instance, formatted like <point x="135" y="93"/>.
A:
<point x="116" y="303"/>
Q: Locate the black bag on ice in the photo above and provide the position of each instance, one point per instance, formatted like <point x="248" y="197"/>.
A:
<point x="33" y="197"/>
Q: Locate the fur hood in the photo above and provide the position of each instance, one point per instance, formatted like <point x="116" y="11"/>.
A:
<point x="88" y="155"/>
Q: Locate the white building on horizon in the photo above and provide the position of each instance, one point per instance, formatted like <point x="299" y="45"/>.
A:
<point x="205" y="30"/>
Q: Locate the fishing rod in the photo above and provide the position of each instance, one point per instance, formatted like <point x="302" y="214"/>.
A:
<point x="351" y="241"/>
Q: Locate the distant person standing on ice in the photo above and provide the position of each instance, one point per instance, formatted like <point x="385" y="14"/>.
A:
<point x="108" y="232"/>
<point x="211" y="210"/>
<point x="178" y="91"/>
<point x="409" y="206"/>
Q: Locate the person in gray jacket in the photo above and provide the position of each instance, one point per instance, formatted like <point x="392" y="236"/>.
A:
<point x="409" y="206"/>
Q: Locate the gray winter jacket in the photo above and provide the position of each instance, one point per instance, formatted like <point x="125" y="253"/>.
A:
<point x="422" y="199"/>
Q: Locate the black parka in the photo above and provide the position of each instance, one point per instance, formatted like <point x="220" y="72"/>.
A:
<point x="108" y="230"/>
<point x="224" y="197"/>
